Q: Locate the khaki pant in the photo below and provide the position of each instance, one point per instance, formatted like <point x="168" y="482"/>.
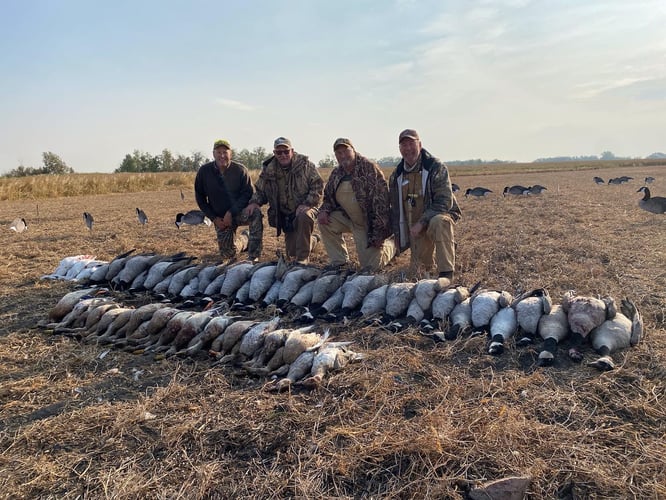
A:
<point x="300" y="242"/>
<point x="438" y="237"/>
<point x="331" y="236"/>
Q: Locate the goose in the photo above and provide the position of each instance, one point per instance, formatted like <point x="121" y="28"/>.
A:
<point x="181" y="278"/>
<point x="303" y="297"/>
<point x="65" y="265"/>
<point x="78" y="314"/>
<point x="272" y="294"/>
<point x="615" y="180"/>
<point x="191" y="289"/>
<point x="537" y="189"/>
<point x="88" y="220"/>
<point x="105" y="322"/>
<point x="425" y="292"/>
<point x="293" y="280"/>
<point x="236" y="275"/>
<point x="485" y="304"/>
<point x="553" y="328"/>
<point x="215" y="285"/>
<point x="224" y="342"/>
<point x="263" y="361"/>
<point x="116" y="265"/>
<point x="190" y="329"/>
<point x="192" y="218"/>
<point x="332" y="356"/>
<point x="119" y="321"/>
<point x="261" y="281"/>
<point x="79" y="267"/>
<point x="516" y="190"/>
<point x="95" y="316"/>
<point x="133" y="266"/>
<point x="138" y="316"/>
<point x="356" y="288"/>
<point x="241" y="297"/>
<point x="649" y="179"/>
<point x="398" y="298"/>
<point x="153" y="327"/>
<point x="213" y="329"/>
<point x="460" y="319"/>
<point x="141" y="215"/>
<point x="253" y="340"/>
<point x="624" y="330"/>
<point x="583" y="315"/>
<point x="445" y="301"/>
<point x="18" y="225"/>
<point x="374" y="303"/>
<point x="478" y="192"/>
<point x="625" y="178"/>
<point x="325" y="285"/>
<point x="415" y="313"/>
<point x="68" y="301"/>
<point x="598" y="180"/>
<point x="655" y="204"/>
<point x="297" y="370"/>
<point x="207" y="275"/>
<point x="503" y="325"/>
<point x="529" y="307"/>
<point x="168" y="333"/>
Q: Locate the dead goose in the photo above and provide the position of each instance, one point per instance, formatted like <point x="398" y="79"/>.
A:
<point x="226" y="341"/>
<point x="503" y="325"/>
<point x="529" y="307"/>
<point x="192" y="218"/>
<point x="553" y="328"/>
<point x="272" y="294"/>
<point x="297" y="370"/>
<point x="477" y="192"/>
<point x="253" y="340"/>
<point x="116" y="265"/>
<point x="460" y="320"/>
<point x="213" y="329"/>
<point x="584" y="314"/>
<point x="516" y="190"/>
<point x="105" y="322"/>
<point x="236" y="275"/>
<point x="325" y="285"/>
<point x="425" y="292"/>
<point x="485" y="304"/>
<point x="153" y="327"/>
<point x="332" y="356"/>
<point x="181" y="278"/>
<point x="133" y="266"/>
<point x="261" y="281"/>
<point x="18" y="225"/>
<point x="398" y="298"/>
<point x="445" y="301"/>
<point x="138" y="316"/>
<point x="624" y="330"/>
<point x="293" y="280"/>
<point x="64" y="266"/>
<point x="374" y="303"/>
<point x="652" y="204"/>
<point x="68" y="301"/>
<point x="190" y="329"/>
<point x="141" y="215"/>
<point x="274" y="340"/>
<point x="168" y="333"/>
<point x="356" y="288"/>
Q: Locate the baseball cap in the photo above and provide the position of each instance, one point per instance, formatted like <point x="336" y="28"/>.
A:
<point x="408" y="133"/>
<point x="221" y="143"/>
<point x="282" y="141"/>
<point x="342" y="141"/>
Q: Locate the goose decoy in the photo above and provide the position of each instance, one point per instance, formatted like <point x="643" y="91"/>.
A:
<point x="19" y="225"/>
<point x="88" y="219"/>
<point x="182" y="195"/>
<point x="598" y="180"/>
<point x="193" y="218"/>
<point x="655" y="204"/>
<point x="537" y="189"/>
<point x="615" y="180"/>
<point x="454" y="187"/>
<point x="477" y="192"/>
<point x="517" y="190"/>
<point x="141" y="215"/>
<point x="649" y="179"/>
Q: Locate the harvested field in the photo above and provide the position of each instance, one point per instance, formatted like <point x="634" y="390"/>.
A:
<point x="413" y="420"/>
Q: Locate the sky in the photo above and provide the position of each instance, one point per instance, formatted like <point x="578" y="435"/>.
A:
<point x="513" y="80"/>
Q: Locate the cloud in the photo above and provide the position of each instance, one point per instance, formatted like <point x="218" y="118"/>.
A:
<point x="232" y="104"/>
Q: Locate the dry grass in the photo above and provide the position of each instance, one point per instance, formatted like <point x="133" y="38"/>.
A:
<point x="414" y="419"/>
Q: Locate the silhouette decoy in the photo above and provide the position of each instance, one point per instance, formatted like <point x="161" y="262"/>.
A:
<point x="88" y="219"/>
<point x="141" y="215"/>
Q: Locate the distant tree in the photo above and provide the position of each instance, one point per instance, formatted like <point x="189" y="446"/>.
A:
<point x="167" y="162"/>
<point x="251" y="159"/>
<point x="54" y="165"/>
<point x="389" y="161"/>
<point x="607" y="155"/>
<point x="328" y="162"/>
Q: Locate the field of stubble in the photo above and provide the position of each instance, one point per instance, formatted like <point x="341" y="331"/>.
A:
<point x="413" y="420"/>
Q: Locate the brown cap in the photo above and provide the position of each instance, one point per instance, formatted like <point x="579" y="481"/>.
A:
<point x="282" y="141"/>
<point x="221" y="143"/>
<point x="342" y="141"/>
<point x="408" y="133"/>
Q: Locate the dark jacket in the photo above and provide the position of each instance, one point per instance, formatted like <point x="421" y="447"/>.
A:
<point x="438" y="198"/>
<point x="303" y="182"/>
<point x="371" y="191"/>
<point x="218" y="193"/>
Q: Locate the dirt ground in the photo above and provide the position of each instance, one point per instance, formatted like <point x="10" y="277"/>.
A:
<point x="414" y="419"/>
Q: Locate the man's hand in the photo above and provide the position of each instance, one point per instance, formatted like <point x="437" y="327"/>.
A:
<point x="250" y="209"/>
<point x="323" y="218"/>
<point x="416" y="229"/>
<point x="223" y="223"/>
<point x="301" y="209"/>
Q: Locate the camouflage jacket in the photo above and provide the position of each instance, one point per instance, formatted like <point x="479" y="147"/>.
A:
<point x="303" y="181"/>
<point x="371" y="191"/>
<point x="438" y="198"/>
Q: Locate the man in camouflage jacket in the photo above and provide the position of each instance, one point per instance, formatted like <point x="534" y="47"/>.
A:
<point x="356" y="201"/>
<point x="292" y="187"/>
<point x="423" y="206"/>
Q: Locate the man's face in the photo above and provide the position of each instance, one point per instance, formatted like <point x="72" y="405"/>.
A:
<point x="410" y="149"/>
<point x="222" y="156"/>
<point x="345" y="156"/>
<point x="284" y="155"/>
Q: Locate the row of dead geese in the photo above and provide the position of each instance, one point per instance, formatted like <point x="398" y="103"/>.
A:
<point x="307" y="294"/>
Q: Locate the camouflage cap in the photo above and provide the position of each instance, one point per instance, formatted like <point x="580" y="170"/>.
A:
<point x="342" y="141"/>
<point x="408" y="133"/>
<point x="221" y="143"/>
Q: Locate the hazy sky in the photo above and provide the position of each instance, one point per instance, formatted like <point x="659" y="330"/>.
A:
<point x="510" y="79"/>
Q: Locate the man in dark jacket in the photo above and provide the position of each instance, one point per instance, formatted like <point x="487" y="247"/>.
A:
<point x="291" y="185"/>
<point x="356" y="201"/>
<point x="223" y="189"/>
<point x="423" y="207"/>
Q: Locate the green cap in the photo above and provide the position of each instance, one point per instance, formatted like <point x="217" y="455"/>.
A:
<point x="221" y="143"/>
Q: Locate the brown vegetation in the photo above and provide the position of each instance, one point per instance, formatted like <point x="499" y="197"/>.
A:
<point x="414" y="420"/>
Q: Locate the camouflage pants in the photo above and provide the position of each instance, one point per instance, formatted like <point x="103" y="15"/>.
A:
<point x="230" y="244"/>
